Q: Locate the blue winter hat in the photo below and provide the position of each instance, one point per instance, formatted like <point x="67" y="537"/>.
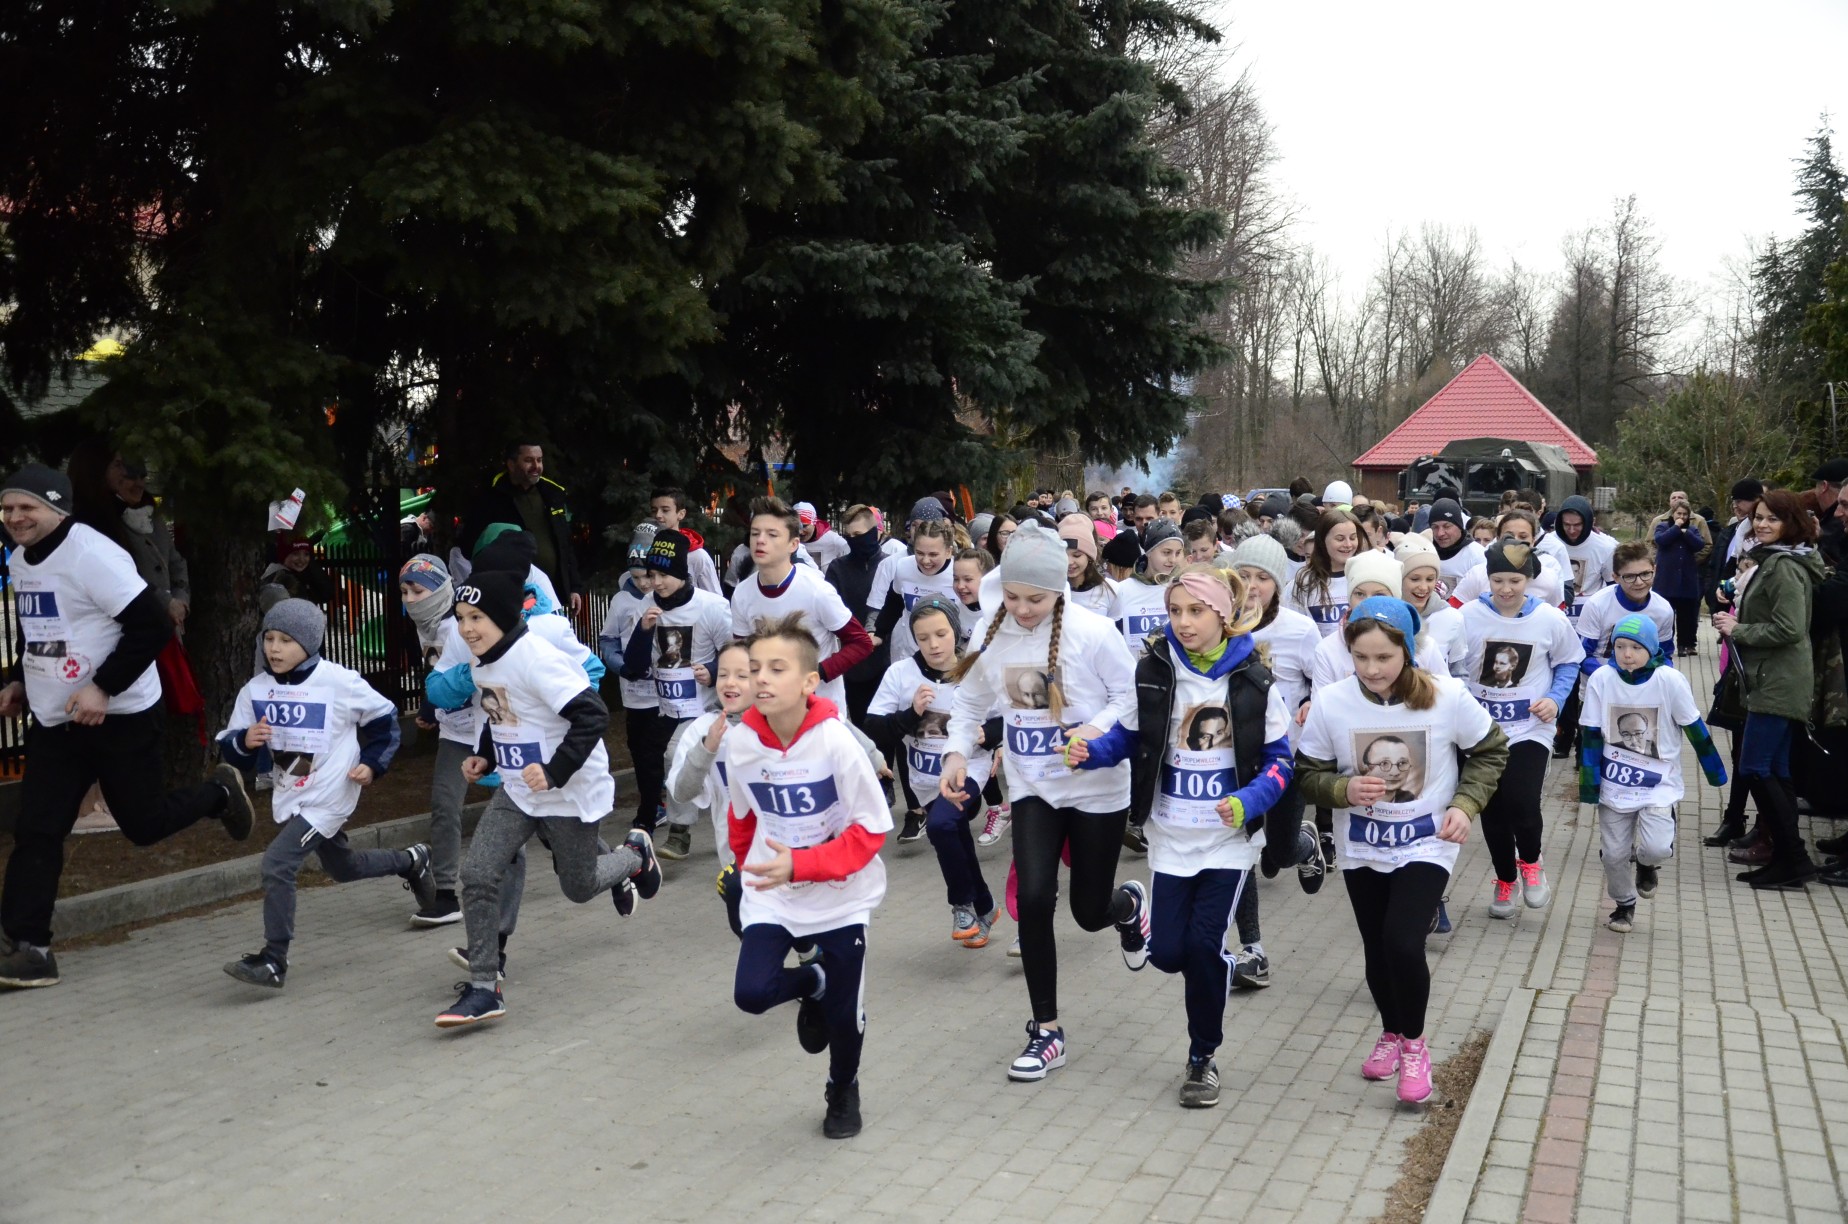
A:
<point x="1388" y="611"/>
<point x="1639" y="629"/>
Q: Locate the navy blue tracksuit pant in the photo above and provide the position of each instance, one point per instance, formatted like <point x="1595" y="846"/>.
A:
<point x="763" y="982"/>
<point x="1189" y="927"/>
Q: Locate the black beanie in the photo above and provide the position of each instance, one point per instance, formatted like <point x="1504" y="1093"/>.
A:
<point x="1123" y="551"/>
<point x="48" y="485"/>
<point x="1194" y="514"/>
<point x="512" y="552"/>
<point x="1509" y="556"/>
<point x="1748" y="490"/>
<point x="497" y="594"/>
<point x="668" y="554"/>
<point x="1444" y="510"/>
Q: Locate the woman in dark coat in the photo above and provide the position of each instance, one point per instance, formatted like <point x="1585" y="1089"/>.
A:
<point x="1679" y="545"/>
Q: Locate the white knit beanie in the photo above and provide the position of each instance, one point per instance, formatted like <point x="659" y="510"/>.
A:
<point x="1378" y="567"/>
<point x="1035" y="557"/>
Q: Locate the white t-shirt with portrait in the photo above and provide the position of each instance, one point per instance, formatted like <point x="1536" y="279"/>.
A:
<point x="1550" y="586"/>
<point x="1199" y="768"/>
<point x="520" y="694"/>
<point x="924" y="751"/>
<point x="314" y="740"/>
<point x="807" y="592"/>
<point x="1507" y="664"/>
<point x="1600" y="614"/>
<point x="1139" y="609"/>
<point x="902" y="578"/>
<point x="67" y="605"/>
<point x="1324" y="608"/>
<point x="684" y="637"/>
<point x="1641" y="723"/>
<point x="1415" y="751"/>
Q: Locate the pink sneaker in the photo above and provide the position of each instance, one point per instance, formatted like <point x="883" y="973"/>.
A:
<point x="1385" y="1057"/>
<point x="1414" y="1071"/>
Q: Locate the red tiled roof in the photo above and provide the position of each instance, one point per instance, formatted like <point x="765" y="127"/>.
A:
<point x="1484" y="401"/>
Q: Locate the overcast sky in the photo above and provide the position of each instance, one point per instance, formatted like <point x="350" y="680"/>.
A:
<point x="1525" y="121"/>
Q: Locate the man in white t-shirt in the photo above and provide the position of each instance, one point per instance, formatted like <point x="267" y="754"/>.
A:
<point x="92" y="629"/>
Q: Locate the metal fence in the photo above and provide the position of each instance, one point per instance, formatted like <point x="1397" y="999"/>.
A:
<point x="367" y="631"/>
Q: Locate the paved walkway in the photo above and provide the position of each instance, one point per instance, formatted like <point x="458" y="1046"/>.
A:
<point x="1703" y="1055"/>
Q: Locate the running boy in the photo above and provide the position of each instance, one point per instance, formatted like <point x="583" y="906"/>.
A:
<point x="1634" y="564"/>
<point x="545" y="737"/>
<point x="1629" y="763"/>
<point x="807" y="823"/>
<point x="639" y="702"/>
<point x="321" y="733"/>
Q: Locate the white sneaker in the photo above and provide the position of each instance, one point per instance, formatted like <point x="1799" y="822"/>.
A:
<point x="1013" y="949"/>
<point x="1534" y="889"/>
<point x="995" y="827"/>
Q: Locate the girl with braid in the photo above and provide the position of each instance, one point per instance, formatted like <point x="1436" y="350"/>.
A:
<point x="1056" y="672"/>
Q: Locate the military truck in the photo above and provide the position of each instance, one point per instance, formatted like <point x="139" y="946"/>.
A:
<point x="1476" y="471"/>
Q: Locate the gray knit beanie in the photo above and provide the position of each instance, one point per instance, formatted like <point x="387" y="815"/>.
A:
<point x="1262" y="552"/>
<point x="1035" y="557"/>
<point x="301" y="620"/>
<point x="936" y="603"/>
<point x="1158" y="531"/>
<point x="639" y="544"/>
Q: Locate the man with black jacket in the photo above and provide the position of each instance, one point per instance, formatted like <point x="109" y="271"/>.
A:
<point x="524" y="496"/>
<point x="90" y="628"/>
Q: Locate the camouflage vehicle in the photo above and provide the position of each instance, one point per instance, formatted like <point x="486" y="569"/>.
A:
<point x="1476" y="471"/>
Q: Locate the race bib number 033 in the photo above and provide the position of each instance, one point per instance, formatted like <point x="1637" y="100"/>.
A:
<point x="1507" y="710"/>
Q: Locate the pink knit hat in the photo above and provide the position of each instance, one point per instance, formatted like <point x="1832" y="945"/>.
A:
<point x="1081" y="530"/>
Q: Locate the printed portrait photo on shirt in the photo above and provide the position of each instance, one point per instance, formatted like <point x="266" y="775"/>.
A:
<point x="1633" y="728"/>
<point x="1396" y="758"/>
<point x="1206" y="727"/>
<point x="1504" y="664"/>
<point x="675" y="643"/>
<point x="495" y="704"/>
<point x="1578" y="573"/>
<point x="933" y="724"/>
<point x="1028" y="687"/>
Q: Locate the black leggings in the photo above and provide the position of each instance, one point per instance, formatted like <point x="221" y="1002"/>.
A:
<point x="1511" y="821"/>
<point x="1041" y="832"/>
<point x="1393" y="910"/>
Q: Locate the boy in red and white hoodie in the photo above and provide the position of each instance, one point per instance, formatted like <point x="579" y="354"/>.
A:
<point x="807" y="823"/>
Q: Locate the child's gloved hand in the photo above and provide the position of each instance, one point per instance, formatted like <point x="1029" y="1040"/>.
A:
<point x="1232" y="812"/>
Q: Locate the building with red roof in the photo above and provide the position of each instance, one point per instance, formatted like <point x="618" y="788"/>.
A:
<point x="1484" y="401"/>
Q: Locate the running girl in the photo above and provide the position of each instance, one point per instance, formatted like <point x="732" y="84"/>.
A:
<point x="1214" y="759"/>
<point x="1139" y="609"/>
<point x="1090" y="589"/>
<point x="1401" y="833"/>
<point x="1319" y="590"/>
<point x="1519" y="657"/>
<point x="1056" y="671"/>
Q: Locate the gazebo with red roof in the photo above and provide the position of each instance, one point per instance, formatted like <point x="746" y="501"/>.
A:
<point x="1484" y="401"/>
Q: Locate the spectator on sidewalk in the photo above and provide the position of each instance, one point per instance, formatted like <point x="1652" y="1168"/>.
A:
<point x="525" y="495"/>
<point x="1678" y="501"/>
<point x="1735" y="537"/>
<point x="1681" y="543"/>
<point x="296" y="571"/>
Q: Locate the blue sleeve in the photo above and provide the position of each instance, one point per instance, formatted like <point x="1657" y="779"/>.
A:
<point x="1113" y="747"/>
<point x="452" y="689"/>
<point x="1565" y="675"/>
<point x="593" y="669"/>
<point x="1590" y="663"/>
<point x="1667" y="646"/>
<point x="609" y="650"/>
<point x="231" y="748"/>
<point x="378" y="742"/>
<point x="638" y="655"/>
<point x="1277" y="767"/>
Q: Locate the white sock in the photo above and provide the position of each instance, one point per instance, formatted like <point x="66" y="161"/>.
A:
<point x="1256" y="949"/>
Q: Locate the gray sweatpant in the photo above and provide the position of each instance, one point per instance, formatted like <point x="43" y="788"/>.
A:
<point x="282" y="862"/>
<point x="584" y="871"/>
<point x="448" y="788"/>
<point x="1646" y="836"/>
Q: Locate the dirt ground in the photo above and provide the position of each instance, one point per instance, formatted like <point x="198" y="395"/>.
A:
<point x="104" y="860"/>
<point x="1426" y="1151"/>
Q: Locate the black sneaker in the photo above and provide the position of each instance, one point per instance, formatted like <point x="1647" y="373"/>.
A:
<point x="1200" y="1090"/>
<point x="473" y="1005"/>
<point x="648" y="877"/>
<point x="459" y="957"/>
<point x="1790" y="874"/>
<point x="1250" y="971"/>
<point x="623" y="897"/>
<point x="1328" y="851"/>
<point x="1133" y="932"/>
<point x="444" y="911"/>
<point x="1134" y="839"/>
<point x="731" y="892"/>
<point x="23" y="968"/>
<point x="1645" y="881"/>
<point x="843" y="1117"/>
<point x="1310" y="871"/>
<point x="259" y="969"/>
<point x="239" y="816"/>
<point x="914" y="826"/>
<point x="1622" y="919"/>
<point x="811" y="1020"/>
<point x="420" y="879"/>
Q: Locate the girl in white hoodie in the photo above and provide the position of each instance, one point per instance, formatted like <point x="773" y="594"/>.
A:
<point x="1055" y="671"/>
